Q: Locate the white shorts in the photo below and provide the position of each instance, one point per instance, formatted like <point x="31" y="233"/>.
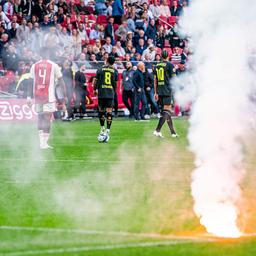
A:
<point x="47" y="107"/>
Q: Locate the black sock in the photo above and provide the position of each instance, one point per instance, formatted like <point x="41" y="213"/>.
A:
<point x="169" y="121"/>
<point x="102" y="118"/>
<point x="161" y="122"/>
<point x="109" y="120"/>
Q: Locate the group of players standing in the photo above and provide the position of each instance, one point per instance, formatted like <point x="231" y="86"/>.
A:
<point x="48" y="85"/>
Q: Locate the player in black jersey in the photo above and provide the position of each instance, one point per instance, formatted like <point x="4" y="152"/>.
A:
<point x="163" y="73"/>
<point x="105" y="86"/>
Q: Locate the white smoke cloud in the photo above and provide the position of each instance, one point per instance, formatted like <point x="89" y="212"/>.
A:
<point x="219" y="85"/>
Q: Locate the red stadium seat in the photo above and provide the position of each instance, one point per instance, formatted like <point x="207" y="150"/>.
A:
<point x="116" y="26"/>
<point x="172" y="20"/>
<point x="82" y="18"/>
<point x="169" y="50"/>
<point x="92" y="41"/>
<point x="162" y="20"/>
<point x="73" y="18"/>
<point x="89" y="9"/>
<point x="167" y="43"/>
<point x="88" y="31"/>
<point x="102" y="19"/>
<point x="91" y="100"/>
<point x="158" y="50"/>
<point x="6" y="80"/>
<point x="92" y="17"/>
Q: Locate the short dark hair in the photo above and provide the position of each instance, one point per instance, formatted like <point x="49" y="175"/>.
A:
<point x="111" y="60"/>
<point x="165" y="54"/>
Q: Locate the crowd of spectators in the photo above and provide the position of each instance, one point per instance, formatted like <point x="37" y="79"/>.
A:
<point x="83" y="33"/>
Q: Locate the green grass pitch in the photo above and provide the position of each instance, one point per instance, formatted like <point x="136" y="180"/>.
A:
<point x="130" y="196"/>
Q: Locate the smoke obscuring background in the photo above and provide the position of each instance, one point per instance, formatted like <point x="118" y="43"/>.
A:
<point x="221" y="83"/>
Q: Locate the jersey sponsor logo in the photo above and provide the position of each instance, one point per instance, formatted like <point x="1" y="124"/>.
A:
<point x="162" y="64"/>
<point x="16" y="110"/>
<point x="106" y="86"/>
<point x="112" y="70"/>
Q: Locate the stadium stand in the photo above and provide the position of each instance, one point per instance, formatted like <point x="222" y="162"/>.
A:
<point x="71" y="28"/>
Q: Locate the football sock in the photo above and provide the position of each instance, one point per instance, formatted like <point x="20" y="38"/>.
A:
<point x="102" y="118"/>
<point x="109" y="120"/>
<point x="161" y="122"/>
<point x="46" y="122"/>
<point x="169" y="121"/>
<point x="46" y="138"/>
<point x="41" y="137"/>
<point x="40" y="121"/>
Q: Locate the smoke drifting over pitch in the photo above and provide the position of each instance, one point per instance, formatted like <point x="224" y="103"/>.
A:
<point x="223" y="37"/>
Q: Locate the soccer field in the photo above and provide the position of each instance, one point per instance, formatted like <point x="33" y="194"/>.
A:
<point x="130" y="196"/>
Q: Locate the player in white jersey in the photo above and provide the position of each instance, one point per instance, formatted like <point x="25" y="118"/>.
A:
<point x="47" y="78"/>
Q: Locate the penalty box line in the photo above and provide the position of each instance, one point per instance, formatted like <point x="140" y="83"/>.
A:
<point x="103" y="232"/>
<point x="93" y="161"/>
<point x="97" y="248"/>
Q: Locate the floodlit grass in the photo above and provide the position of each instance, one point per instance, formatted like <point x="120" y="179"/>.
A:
<point x="87" y="198"/>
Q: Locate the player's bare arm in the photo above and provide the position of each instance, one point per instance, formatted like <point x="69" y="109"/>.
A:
<point x="95" y="87"/>
<point x="155" y="84"/>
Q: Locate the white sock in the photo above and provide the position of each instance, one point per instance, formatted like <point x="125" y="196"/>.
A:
<point x="102" y="128"/>
<point x="41" y="137"/>
<point x="46" y="138"/>
<point x="108" y="131"/>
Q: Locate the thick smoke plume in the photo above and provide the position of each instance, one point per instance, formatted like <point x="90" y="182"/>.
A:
<point x="220" y="85"/>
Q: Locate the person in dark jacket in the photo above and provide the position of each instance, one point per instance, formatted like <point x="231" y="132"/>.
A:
<point x="68" y="80"/>
<point x="11" y="59"/>
<point x="139" y="92"/>
<point x="160" y="37"/>
<point x="80" y="88"/>
<point x="109" y="30"/>
<point x="39" y="10"/>
<point x="151" y="31"/>
<point x="12" y="32"/>
<point x="128" y="88"/>
<point x="149" y="90"/>
<point x="3" y="44"/>
<point x="26" y="7"/>
<point x="176" y="10"/>
<point x="141" y="47"/>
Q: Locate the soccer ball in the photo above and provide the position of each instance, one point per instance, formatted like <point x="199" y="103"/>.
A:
<point x="102" y="137"/>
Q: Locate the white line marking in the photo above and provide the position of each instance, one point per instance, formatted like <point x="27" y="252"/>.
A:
<point x="181" y="161"/>
<point x="102" y="232"/>
<point x="96" y="248"/>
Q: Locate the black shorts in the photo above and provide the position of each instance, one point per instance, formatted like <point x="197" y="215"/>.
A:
<point x="105" y="103"/>
<point x="165" y="100"/>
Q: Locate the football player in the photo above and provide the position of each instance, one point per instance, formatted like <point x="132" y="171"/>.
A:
<point x="105" y="86"/>
<point x="48" y="87"/>
<point x="163" y="73"/>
